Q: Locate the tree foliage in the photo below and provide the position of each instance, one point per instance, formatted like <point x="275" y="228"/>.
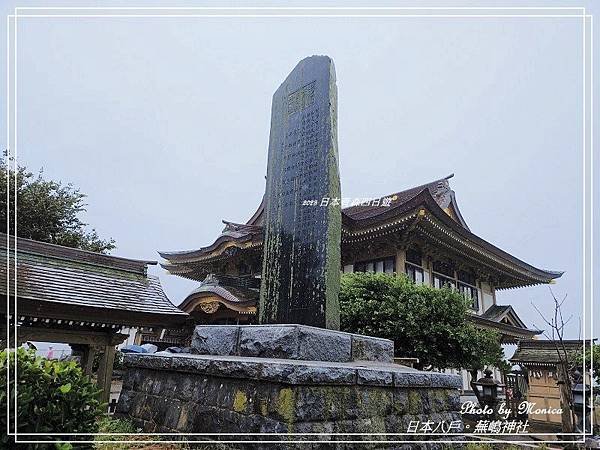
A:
<point x="47" y="211"/>
<point x="424" y="322"/>
<point x="591" y="363"/>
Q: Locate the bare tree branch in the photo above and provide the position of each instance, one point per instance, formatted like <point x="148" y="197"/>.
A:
<point x="557" y="325"/>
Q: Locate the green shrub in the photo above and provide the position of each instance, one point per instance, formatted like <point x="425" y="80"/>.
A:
<point x="424" y="322"/>
<point x="590" y="363"/>
<point x="52" y="396"/>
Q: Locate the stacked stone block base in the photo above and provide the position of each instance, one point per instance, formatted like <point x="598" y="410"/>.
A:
<point x="216" y="394"/>
<point x="285" y="381"/>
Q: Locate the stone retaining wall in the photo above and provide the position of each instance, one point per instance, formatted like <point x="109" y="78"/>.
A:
<point x="211" y="394"/>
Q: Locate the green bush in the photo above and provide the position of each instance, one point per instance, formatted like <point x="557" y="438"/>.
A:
<point x="590" y="363"/>
<point x="424" y="322"/>
<point x="52" y="396"/>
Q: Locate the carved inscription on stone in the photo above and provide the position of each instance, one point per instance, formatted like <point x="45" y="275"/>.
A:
<point x="300" y="99"/>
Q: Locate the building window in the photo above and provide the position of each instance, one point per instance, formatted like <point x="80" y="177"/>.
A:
<point x="383" y="265"/>
<point x="414" y="273"/>
<point x="467" y="287"/>
<point x="414" y="265"/>
<point x="443" y="275"/>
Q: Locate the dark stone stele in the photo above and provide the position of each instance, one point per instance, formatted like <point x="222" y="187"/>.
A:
<point x="301" y="261"/>
<point x="285" y="376"/>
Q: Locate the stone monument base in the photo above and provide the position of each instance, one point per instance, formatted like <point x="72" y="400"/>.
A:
<point x="357" y="391"/>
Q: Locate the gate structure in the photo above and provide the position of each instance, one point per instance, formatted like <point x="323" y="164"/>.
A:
<point x="517" y="388"/>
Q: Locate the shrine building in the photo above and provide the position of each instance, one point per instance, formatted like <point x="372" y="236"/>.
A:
<point x="419" y="232"/>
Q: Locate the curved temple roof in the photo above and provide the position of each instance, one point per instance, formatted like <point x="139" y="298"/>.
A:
<point x="430" y="210"/>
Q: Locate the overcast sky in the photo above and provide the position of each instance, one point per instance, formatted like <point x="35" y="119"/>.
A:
<point x="164" y="123"/>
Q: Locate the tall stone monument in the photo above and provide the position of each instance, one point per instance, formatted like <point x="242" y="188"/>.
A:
<point x="265" y="381"/>
<point x="301" y="260"/>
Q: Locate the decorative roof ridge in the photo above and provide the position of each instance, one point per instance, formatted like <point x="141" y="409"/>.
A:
<point x="198" y="252"/>
<point x="417" y="188"/>
<point x="252" y="221"/>
<point x="60" y="252"/>
<point x="420" y="187"/>
<point x="234" y="226"/>
<point x="424" y="185"/>
<point x="422" y="199"/>
<point x="439" y="189"/>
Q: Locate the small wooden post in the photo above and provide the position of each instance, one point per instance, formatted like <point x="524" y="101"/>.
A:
<point x="400" y="260"/>
<point x="138" y="337"/>
<point x="87" y="360"/>
<point x="105" y="372"/>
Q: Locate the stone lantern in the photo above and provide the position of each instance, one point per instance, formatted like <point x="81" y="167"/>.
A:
<point x="581" y="400"/>
<point x="489" y="391"/>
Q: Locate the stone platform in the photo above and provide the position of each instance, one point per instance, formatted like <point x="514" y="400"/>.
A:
<point x="231" y="393"/>
<point x="290" y="342"/>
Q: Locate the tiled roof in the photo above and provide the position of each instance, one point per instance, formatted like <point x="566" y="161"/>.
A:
<point x="232" y="294"/>
<point x="75" y="255"/>
<point x="439" y="189"/>
<point x="235" y="289"/>
<point x="544" y="352"/>
<point x="510" y="334"/>
<point x="495" y="312"/>
<point x="52" y="275"/>
<point x="498" y="312"/>
<point x="429" y="210"/>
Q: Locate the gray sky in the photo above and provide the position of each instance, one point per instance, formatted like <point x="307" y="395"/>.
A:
<point x="164" y="124"/>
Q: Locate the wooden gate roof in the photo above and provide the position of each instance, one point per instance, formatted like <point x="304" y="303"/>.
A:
<point x="56" y="282"/>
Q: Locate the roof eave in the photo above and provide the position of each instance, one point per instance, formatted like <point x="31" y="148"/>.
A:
<point x="544" y="276"/>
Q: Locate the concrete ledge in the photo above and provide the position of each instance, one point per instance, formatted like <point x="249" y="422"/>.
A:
<point x="298" y="342"/>
<point x="296" y="372"/>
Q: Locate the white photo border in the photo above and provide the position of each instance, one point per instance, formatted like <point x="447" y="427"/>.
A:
<point x="268" y="11"/>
